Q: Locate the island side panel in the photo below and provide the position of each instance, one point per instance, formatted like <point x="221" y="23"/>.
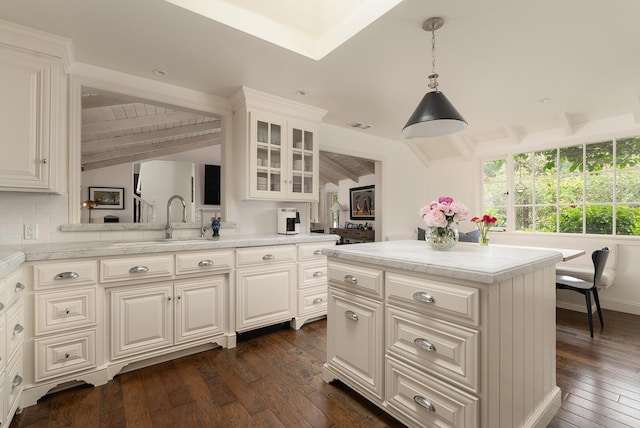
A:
<point x="521" y="356"/>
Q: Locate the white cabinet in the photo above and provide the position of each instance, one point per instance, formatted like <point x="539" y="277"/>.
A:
<point x="141" y="319"/>
<point x="277" y="147"/>
<point x="265" y="286"/>
<point x="311" y="290"/>
<point x="32" y="118"/>
<point x="12" y="332"/>
<point x="199" y="308"/>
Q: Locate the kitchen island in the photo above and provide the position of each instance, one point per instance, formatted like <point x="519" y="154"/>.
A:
<point x="462" y="338"/>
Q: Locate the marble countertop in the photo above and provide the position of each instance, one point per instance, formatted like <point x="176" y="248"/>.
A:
<point x="468" y="261"/>
<point x="67" y="250"/>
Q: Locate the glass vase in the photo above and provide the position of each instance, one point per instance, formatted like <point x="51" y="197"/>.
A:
<point x="442" y="238"/>
<point x="484" y="240"/>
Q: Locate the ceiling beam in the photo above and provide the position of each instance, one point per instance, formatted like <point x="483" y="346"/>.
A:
<point x="339" y="168"/>
<point x="461" y="144"/>
<point x="365" y="164"/>
<point x="126" y="140"/>
<point x="137" y="122"/>
<point x="324" y="180"/>
<point x="419" y="153"/>
<point x="153" y="150"/>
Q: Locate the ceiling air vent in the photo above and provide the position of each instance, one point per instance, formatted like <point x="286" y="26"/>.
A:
<point x="358" y="125"/>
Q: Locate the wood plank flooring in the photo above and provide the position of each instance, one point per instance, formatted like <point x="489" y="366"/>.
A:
<point x="274" y="380"/>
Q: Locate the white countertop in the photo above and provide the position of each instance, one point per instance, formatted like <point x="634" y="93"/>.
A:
<point x="468" y="261"/>
<point x="68" y="250"/>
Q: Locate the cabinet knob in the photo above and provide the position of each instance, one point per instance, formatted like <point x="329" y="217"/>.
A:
<point x="139" y="269"/>
<point x="169" y="298"/>
<point x="351" y="279"/>
<point x="204" y="263"/>
<point x="67" y="311"/>
<point x="319" y="300"/>
<point x="351" y="315"/>
<point x="1" y="306"/>
<point x="67" y="355"/>
<point x="268" y="257"/>
<point x="45" y="161"/>
<point x="317" y="253"/>
<point x="19" y="286"/>
<point x="17" y="381"/>
<point x="317" y="274"/>
<point x="421" y="401"/>
<point x="179" y="297"/>
<point x="425" y="344"/>
<point x="423" y="296"/>
<point x="18" y="329"/>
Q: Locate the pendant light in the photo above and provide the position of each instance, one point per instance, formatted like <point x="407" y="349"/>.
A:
<point x="435" y="115"/>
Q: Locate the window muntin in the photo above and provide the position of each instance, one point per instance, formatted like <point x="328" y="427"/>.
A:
<point x="589" y="188"/>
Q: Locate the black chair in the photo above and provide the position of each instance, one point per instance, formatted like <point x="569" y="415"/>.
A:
<point x="566" y="282"/>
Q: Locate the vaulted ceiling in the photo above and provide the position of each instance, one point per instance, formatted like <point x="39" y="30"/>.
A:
<point x="509" y="66"/>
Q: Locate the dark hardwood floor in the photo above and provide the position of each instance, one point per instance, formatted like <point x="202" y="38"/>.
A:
<point x="274" y="380"/>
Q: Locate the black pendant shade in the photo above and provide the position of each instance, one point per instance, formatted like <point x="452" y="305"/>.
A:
<point x="434" y="116"/>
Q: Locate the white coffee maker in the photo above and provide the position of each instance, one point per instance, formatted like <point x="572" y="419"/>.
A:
<point x="288" y="221"/>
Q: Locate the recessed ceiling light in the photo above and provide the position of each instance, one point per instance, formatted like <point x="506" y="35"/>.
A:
<point x="160" y="72"/>
<point x="544" y="100"/>
<point x="302" y="92"/>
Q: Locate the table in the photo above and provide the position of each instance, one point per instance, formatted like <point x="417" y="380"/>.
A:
<point x="567" y="253"/>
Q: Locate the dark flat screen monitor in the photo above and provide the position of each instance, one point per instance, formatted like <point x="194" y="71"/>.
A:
<point x="212" y="184"/>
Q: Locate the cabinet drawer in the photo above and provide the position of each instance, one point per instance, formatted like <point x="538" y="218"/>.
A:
<point x="312" y="274"/>
<point x="430" y="297"/>
<point x="313" y="250"/>
<point x="447" y="349"/>
<point x="356" y="278"/>
<point x="312" y="301"/>
<point x="16" y="286"/>
<point x="265" y="255"/>
<point x="426" y="401"/>
<point x="58" y="311"/>
<point x="15" y="328"/>
<point x="65" y="354"/>
<point x="203" y="261"/>
<point x="136" y="268"/>
<point x="65" y="274"/>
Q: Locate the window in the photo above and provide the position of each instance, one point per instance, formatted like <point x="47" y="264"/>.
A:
<point x="587" y="188"/>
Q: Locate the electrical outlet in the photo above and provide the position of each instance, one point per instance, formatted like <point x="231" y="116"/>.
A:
<point x="30" y="231"/>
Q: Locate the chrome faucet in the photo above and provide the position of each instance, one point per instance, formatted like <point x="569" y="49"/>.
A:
<point x="169" y="228"/>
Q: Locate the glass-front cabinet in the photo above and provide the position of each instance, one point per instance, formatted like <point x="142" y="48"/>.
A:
<point x="283" y="159"/>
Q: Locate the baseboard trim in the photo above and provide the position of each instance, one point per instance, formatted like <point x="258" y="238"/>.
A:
<point x="620" y="305"/>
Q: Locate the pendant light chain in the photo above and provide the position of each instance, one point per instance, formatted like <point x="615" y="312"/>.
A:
<point x="433" y="83"/>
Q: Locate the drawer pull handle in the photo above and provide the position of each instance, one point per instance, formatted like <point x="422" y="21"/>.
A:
<point x="317" y="274"/>
<point x="67" y="355"/>
<point x="268" y="257"/>
<point x="205" y="263"/>
<point x="350" y="279"/>
<point x="319" y="300"/>
<point x="18" y="329"/>
<point x="139" y="269"/>
<point x="425" y="344"/>
<point x="317" y="253"/>
<point x="422" y="296"/>
<point x="17" y="381"/>
<point x="421" y="401"/>
<point x="67" y="311"/>
<point x="19" y="286"/>
<point x="62" y="275"/>
<point x="351" y="315"/>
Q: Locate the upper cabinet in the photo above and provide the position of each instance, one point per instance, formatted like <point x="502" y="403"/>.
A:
<point x="33" y="111"/>
<point x="277" y="146"/>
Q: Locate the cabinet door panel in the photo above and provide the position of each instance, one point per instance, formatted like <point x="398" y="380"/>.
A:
<point x="264" y="296"/>
<point x="142" y="320"/>
<point x="27" y="87"/>
<point x="199" y="308"/>
<point x="355" y="339"/>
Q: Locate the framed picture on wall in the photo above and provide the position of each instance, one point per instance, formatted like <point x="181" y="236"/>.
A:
<point x="362" y="203"/>
<point x="107" y="198"/>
